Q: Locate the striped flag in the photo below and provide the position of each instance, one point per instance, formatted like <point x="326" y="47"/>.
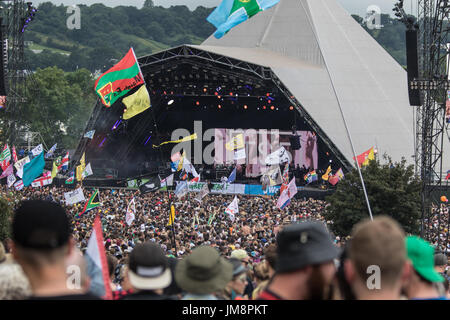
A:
<point x="18" y="185"/>
<point x="97" y="266"/>
<point x="71" y="178"/>
<point x="14" y="154"/>
<point x="285" y="178"/>
<point x="65" y="162"/>
<point x="287" y="195"/>
<point x="42" y="181"/>
<point x="93" y="202"/>
<point x="5" y="157"/>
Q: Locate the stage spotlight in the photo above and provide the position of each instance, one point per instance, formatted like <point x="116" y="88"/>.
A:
<point x="272" y="107"/>
<point x="268" y="94"/>
<point x="219" y="106"/>
<point x="204" y="90"/>
<point x="245" y="107"/>
<point x="218" y="97"/>
<point x="268" y="101"/>
<point x="264" y="107"/>
<point x="216" y="93"/>
<point x="197" y="103"/>
<point x="291" y="108"/>
<point x="170" y="102"/>
<point x="231" y="93"/>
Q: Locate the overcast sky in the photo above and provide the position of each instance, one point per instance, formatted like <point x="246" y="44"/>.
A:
<point x="352" y="6"/>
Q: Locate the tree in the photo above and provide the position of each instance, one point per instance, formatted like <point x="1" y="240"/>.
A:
<point x="5" y="220"/>
<point x="391" y="188"/>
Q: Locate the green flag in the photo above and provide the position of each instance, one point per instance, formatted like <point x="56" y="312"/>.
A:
<point x="119" y="80"/>
<point x="93" y="202"/>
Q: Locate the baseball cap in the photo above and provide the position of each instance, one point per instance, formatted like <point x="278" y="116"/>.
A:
<point x="304" y="244"/>
<point x="421" y="254"/>
<point x="149" y="267"/>
<point x="39" y="224"/>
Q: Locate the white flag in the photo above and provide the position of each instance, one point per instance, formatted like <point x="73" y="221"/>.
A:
<point x="131" y="211"/>
<point x="43" y="180"/>
<point x="20" y="164"/>
<point x="38" y="150"/>
<point x="239" y="154"/>
<point x="87" y="171"/>
<point x="18" y="185"/>
<point x="11" y="179"/>
<point x="189" y="168"/>
<point x="74" y="196"/>
<point x="279" y="156"/>
<point x="233" y="208"/>
<point x="202" y="193"/>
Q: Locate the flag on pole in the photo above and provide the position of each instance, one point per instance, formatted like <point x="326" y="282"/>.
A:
<point x="327" y="174"/>
<point x="5" y="157"/>
<point x="363" y="158"/>
<point x="11" y="179"/>
<point x="232" y="176"/>
<point x="71" y="178"/>
<point x="51" y="151"/>
<point x="231" y="13"/>
<point x="74" y="197"/>
<point x="19" y="165"/>
<point x="172" y="215"/>
<point x="273" y="175"/>
<point x="81" y="168"/>
<point x="181" y="189"/>
<point x="131" y="212"/>
<point x="97" y="266"/>
<point x="65" y="162"/>
<point x="92" y="203"/>
<point x="119" y="80"/>
<point x="14" y="153"/>
<point x="33" y="169"/>
<point x="18" y="185"/>
<point x="311" y="176"/>
<point x="285" y="178"/>
<point x="45" y="180"/>
<point x="87" y="171"/>
<point x="233" y="208"/>
<point x="203" y="193"/>
<point x="89" y="134"/>
<point x="8" y="171"/>
<point x="333" y="180"/>
<point x="56" y="166"/>
<point x="287" y="195"/>
<point x="277" y="157"/>
<point x="136" y="103"/>
<point x="189" y="168"/>
<point x="188" y="138"/>
<point x="37" y="150"/>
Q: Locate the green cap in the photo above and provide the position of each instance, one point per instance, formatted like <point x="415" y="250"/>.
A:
<point x="421" y="253"/>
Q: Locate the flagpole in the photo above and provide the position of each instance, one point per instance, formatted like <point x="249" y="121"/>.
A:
<point x="173" y="223"/>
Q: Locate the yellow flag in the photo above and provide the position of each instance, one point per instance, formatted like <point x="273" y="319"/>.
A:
<point x="172" y="216"/>
<point x="136" y="103"/>
<point x="236" y="143"/>
<point x="327" y="173"/>
<point x="180" y="163"/>
<point x="371" y="156"/>
<point x="81" y="168"/>
<point x="188" y="138"/>
<point x="54" y="170"/>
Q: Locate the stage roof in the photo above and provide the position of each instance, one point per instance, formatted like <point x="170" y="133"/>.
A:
<point x="322" y="55"/>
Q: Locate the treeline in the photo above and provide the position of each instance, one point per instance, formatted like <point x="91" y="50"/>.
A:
<point x="106" y="33"/>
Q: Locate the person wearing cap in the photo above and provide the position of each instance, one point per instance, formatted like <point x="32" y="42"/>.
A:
<point x="242" y="256"/>
<point x="422" y="281"/>
<point x="41" y="244"/>
<point x="149" y="273"/>
<point x="203" y="274"/>
<point x="376" y="244"/>
<point x="305" y="266"/>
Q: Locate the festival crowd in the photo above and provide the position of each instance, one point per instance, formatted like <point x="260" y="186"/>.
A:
<point x="265" y="253"/>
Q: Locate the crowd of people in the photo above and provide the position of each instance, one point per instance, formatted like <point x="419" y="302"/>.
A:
<point x="265" y="253"/>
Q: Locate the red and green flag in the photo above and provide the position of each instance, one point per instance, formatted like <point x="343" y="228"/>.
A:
<point x="92" y="203"/>
<point x="119" y="80"/>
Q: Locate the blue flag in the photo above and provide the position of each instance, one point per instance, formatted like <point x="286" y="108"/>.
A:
<point x="232" y="176"/>
<point x="51" y="151"/>
<point x="33" y="169"/>
<point x="89" y="134"/>
<point x="230" y="13"/>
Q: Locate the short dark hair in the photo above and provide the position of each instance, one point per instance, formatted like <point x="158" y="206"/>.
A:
<point x="112" y="264"/>
<point x="271" y="255"/>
